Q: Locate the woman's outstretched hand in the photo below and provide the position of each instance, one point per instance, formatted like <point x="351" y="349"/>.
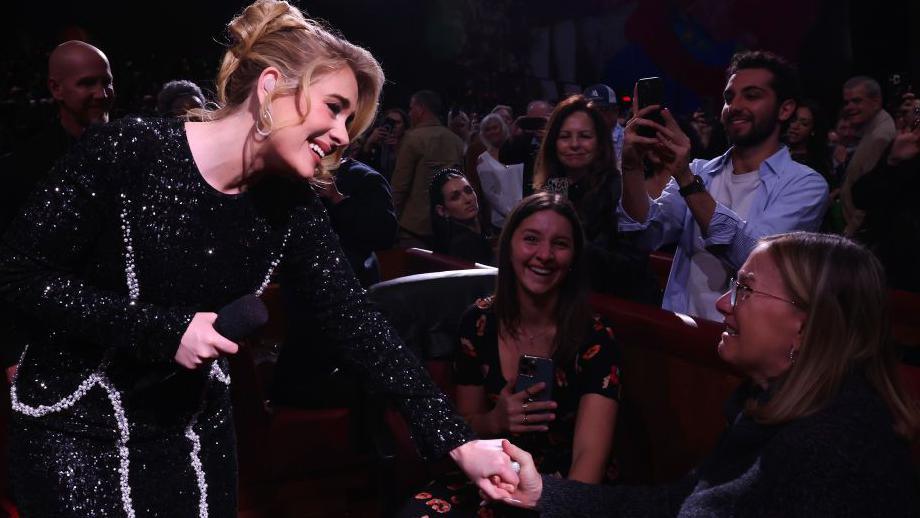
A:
<point x="201" y="343"/>
<point x="530" y="486"/>
<point x="488" y="467"/>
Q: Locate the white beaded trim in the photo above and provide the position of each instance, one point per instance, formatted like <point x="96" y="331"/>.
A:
<point x="64" y="404"/>
<point x="274" y="263"/>
<point x="124" y="435"/>
<point x="197" y="467"/>
<point x="134" y="290"/>
<point x="96" y="378"/>
<point x="121" y="420"/>
<point x="218" y="374"/>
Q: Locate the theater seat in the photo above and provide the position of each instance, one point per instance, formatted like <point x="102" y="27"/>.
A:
<point x="425" y="310"/>
<point x="294" y="461"/>
<point x="674" y="387"/>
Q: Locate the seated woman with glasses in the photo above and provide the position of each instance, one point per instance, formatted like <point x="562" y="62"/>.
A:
<point x="821" y="427"/>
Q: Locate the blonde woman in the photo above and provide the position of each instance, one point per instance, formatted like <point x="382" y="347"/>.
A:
<point x="150" y="226"/>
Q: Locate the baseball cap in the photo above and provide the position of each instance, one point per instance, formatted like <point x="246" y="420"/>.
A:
<point x="601" y="94"/>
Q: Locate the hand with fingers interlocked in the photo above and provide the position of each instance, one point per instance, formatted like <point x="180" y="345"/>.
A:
<point x="520" y="413"/>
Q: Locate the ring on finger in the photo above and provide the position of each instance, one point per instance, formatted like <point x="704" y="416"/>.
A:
<point x="524" y="406"/>
<point x="524" y="419"/>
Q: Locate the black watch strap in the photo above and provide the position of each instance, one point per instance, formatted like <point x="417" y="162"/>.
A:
<point x="693" y="187"/>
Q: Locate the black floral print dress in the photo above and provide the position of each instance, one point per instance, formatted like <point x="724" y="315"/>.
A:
<point x="596" y="369"/>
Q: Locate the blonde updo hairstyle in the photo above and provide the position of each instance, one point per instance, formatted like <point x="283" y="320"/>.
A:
<point x="273" y="33"/>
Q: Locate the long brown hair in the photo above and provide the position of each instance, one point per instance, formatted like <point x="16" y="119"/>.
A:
<point x="548" y="165"/>
<point x="572" y="312"/>
<point x="842" y="287"/>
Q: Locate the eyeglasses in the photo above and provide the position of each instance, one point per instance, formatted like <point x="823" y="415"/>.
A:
<point x="739" y="292"/>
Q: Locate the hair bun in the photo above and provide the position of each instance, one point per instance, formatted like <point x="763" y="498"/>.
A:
<point x="260" y="18"/>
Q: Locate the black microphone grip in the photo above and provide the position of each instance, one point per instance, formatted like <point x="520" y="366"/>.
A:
<point x="241" y="318"/>
<point x="235" y="321"/>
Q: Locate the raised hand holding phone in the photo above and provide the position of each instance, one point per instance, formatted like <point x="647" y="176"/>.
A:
<point x="650" y="92"/>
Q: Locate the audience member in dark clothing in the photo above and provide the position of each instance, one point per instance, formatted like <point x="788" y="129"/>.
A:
<point x="820" y="429"/>
<point x="526" y="134"/>
<point x="378" y="150"/>
<point x="889" y="195"/>
<point x="455" y="218"/>
<point x="361" y="209"/>
<point x="807" y="139"/>
<point x="576" y="159"/>
<point x="307" y="373"/>
<point x="177" y="97"/>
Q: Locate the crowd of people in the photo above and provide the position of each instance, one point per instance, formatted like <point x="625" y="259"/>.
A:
<point x="129" y="234"/>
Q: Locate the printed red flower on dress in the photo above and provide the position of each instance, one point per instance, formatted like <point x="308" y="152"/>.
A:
<point x="481" y="325"/>
<point x="439" y="505"/>
<point x="591" y="352"/>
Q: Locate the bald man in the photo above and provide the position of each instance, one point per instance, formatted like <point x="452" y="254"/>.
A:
<point x="80" y="80"/>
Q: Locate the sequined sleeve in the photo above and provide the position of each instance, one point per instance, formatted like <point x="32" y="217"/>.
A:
<point x="45" y="252"/>
<point x="316" y="271"/>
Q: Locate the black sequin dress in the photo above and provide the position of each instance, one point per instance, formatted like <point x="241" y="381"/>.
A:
<point x="109" y="261"/>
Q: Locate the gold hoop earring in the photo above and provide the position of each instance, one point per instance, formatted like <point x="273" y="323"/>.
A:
<point x="265" y="115"/>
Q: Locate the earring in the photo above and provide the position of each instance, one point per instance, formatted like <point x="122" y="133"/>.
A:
<point x="265" y="115"/>
<point x="792" y="353"/>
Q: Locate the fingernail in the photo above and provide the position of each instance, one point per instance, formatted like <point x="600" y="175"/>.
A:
<point x="484" y="503"/>
<point x="512" y="501"/>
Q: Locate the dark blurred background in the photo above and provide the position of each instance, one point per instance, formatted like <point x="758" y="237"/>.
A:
<point x="481" y="52"/>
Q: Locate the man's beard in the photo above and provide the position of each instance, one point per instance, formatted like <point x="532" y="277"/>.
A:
<point x="759" y="132"/>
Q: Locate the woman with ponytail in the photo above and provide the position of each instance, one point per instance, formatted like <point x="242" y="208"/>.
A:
<point x="121" y="260"/>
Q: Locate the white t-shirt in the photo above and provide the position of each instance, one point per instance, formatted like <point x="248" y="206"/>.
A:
<point x="502" y="185"/>
<point x="708" y="275"/>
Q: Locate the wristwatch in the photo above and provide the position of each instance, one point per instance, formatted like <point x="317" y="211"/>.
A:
<point x="693" y="187"/>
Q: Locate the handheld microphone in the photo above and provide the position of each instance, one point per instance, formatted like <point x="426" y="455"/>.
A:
<point x="241" y="318"/>
<point x="235" y="321"/>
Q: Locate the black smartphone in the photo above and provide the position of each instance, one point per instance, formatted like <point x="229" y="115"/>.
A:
<point x="650" y="91"/>
<point x="533" y="370"/>
<point x="388" y="124"/>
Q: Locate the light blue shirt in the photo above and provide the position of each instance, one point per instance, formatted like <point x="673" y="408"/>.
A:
<point x="617" y="135"/>
<point x="791" y="196"/>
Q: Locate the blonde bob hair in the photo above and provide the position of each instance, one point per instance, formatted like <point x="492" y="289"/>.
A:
<point x="273" y="33"/>
<point x="842" y="287"/>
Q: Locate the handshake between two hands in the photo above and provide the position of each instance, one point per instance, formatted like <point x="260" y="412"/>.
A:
<point x="502" y="471"/>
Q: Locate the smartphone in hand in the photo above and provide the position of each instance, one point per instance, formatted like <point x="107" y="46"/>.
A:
<point x="650" y="91"/>
<point x="533" y="370"/>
